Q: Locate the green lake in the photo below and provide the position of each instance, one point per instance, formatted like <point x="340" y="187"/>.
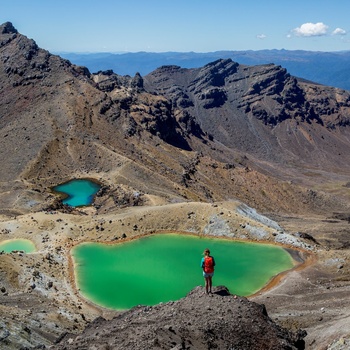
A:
<point x="17" y="244"/>
<point x="78" y="192"/>
<point x="164" y="267"/>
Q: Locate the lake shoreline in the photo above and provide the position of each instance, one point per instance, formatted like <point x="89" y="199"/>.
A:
<point x="300" y="257"/>
<point x="26" y="246"/>
<point x="66" y="195"/>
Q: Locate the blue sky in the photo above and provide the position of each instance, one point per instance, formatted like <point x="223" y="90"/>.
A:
<point x="181" y="25"/>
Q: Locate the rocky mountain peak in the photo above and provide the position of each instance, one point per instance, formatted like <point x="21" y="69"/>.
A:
<point x="137" y="81"/>
<point x="215" y="73"/>
<point x="8" y="28"/>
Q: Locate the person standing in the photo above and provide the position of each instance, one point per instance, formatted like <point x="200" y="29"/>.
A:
<point x="207" y="264"/>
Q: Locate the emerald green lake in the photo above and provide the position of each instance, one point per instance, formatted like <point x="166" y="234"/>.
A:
<point x="17" y="244"/>
<point x="78" y="192"/>
<point x="165" y="267"/>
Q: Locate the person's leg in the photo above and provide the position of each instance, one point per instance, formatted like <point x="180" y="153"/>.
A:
<point x="206" y="284"/>
<point x="210" y="283"/>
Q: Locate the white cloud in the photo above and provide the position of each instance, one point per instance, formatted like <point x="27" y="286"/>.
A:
<point x="261" y="36"/>
<point x="339" y="31"/>
<point x="311" y="29"/>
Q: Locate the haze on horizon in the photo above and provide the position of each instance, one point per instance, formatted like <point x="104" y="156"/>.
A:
<point x="181" y="26"/>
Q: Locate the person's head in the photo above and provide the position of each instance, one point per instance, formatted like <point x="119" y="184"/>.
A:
<point x="206" y="252"/>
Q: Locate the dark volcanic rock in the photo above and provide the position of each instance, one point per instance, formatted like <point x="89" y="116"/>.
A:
<point x="214" y="74"/>
<point x="142" y="111"/>
<point x="137" y="82"/>
<point x="198" y="321"/>
<point x="8" y="28"/>
<point x="253" y="109"/>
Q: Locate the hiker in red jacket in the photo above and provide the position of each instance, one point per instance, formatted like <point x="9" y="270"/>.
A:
<point x="207" y="265"/>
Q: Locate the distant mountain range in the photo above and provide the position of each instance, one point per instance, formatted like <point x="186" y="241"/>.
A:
<point x="327" y="68"/>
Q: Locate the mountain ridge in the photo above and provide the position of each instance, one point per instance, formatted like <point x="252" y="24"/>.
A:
<point x="327" y="68"/>
<point x="247" y="103"/>
<point x="253" y="125"/>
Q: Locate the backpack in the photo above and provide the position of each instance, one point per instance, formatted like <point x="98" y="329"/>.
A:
<point x="208" y="264"/>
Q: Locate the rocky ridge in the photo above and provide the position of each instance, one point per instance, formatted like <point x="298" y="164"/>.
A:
<point x="255" y="109"/>
<point x="198" y="321"/>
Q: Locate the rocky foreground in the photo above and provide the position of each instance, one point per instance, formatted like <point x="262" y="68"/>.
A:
<point x="198" y="321"/>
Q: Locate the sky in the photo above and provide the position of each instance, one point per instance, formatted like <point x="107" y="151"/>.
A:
<point x="181" y="25"/>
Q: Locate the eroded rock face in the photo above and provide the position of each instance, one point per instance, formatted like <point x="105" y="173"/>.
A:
<point x="253" y="108"/>
<point x="8" y="28"/>
<point x="198" y="321"/>
<point x="267" y="92"/>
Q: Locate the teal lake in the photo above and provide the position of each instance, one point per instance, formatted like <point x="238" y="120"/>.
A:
<point x="164" y="267"/>
<point x="17" y="244"/>
<point x="78" y="192"/>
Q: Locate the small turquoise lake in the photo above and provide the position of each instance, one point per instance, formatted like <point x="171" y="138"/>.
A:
<point x="78" y="192"/>
<point x="164" y="267"/>
<point x="11" y="245"/>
